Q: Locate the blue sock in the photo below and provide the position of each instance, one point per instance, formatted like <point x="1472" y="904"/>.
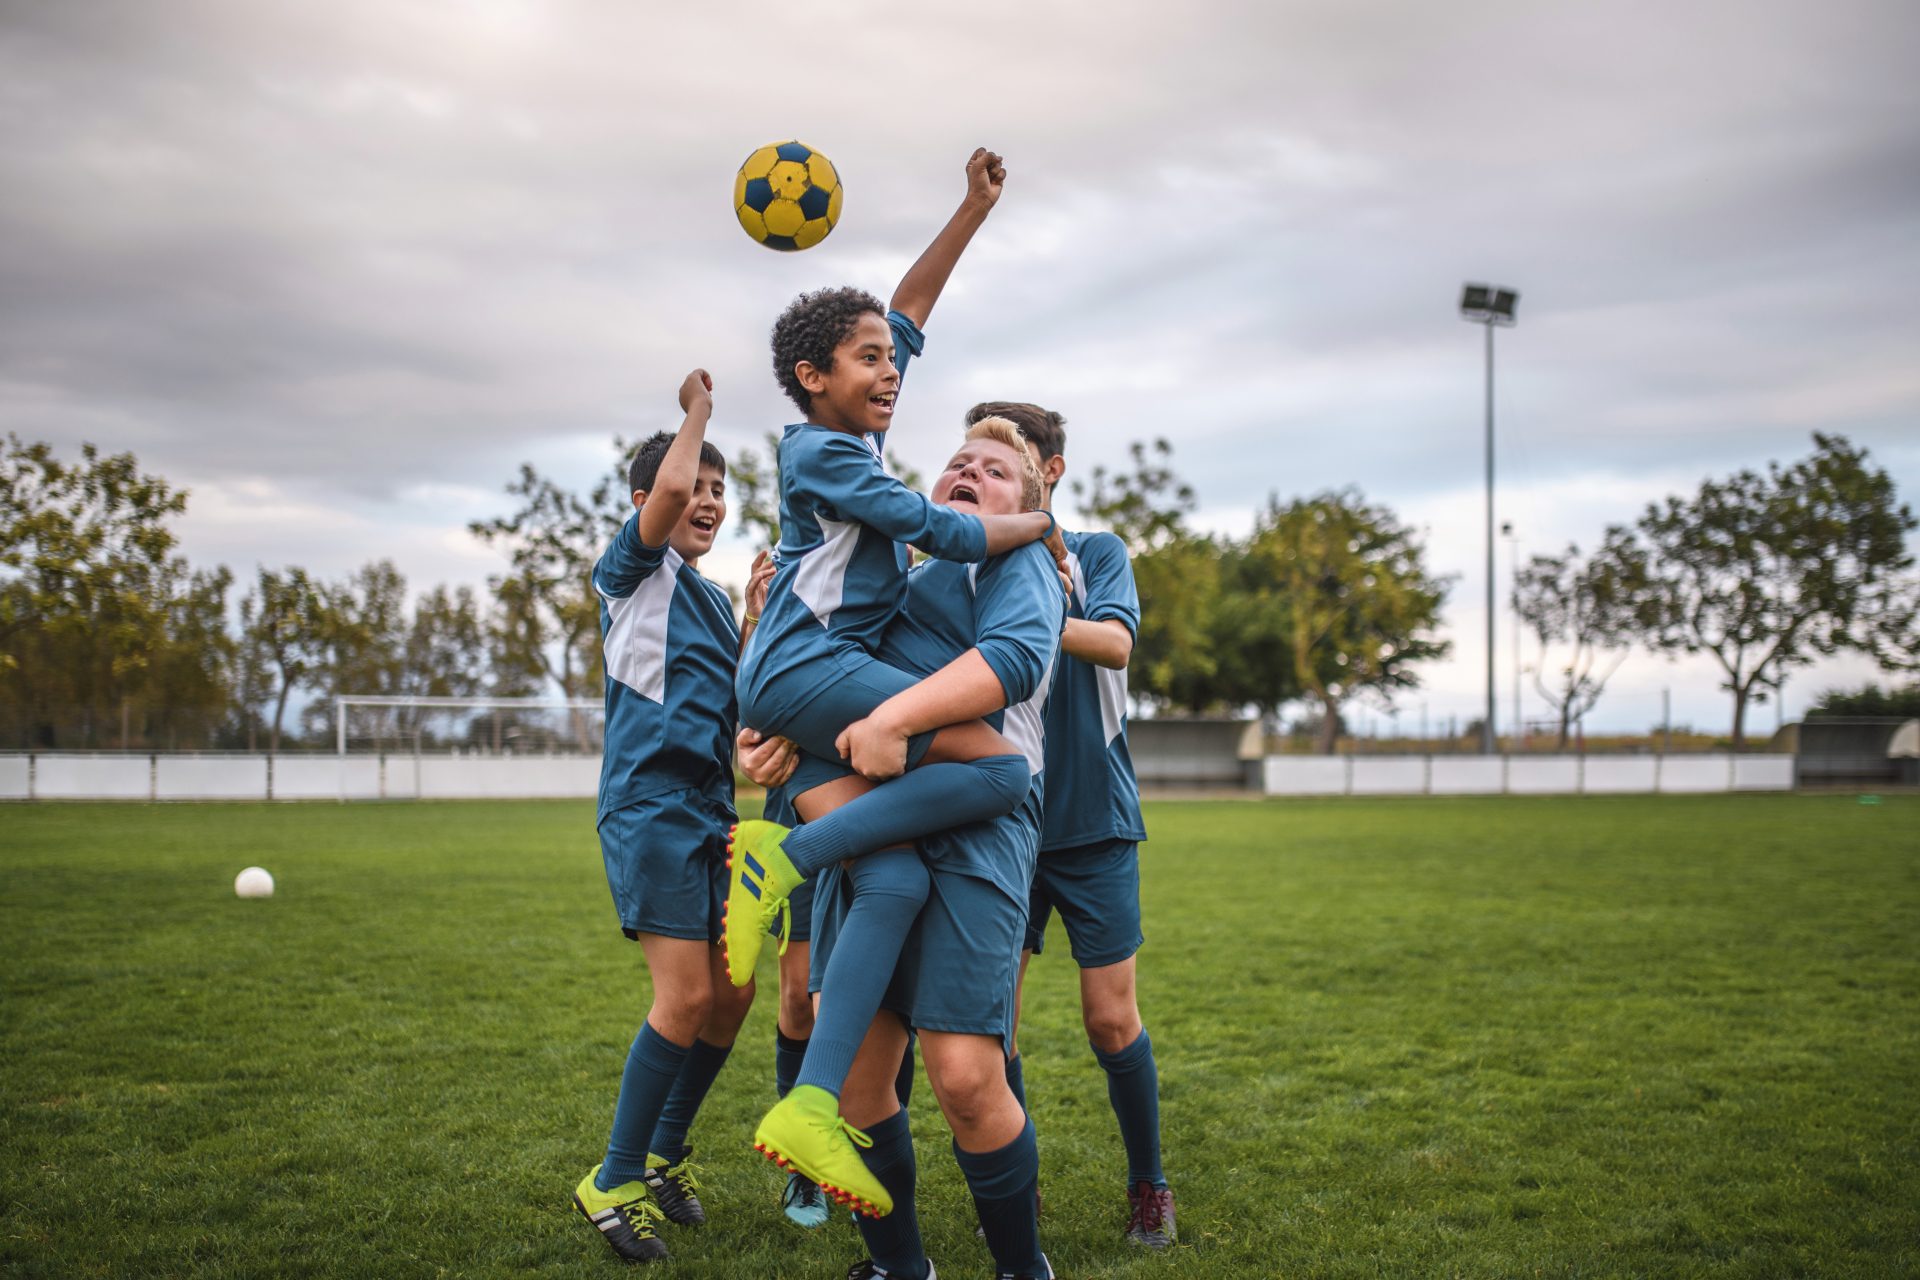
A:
<point x="683" y="1102"/>
<point x="894" y="1241"/>
<point x="889" y="889"/>
<point x="1017" y="1081"/>
<point x="903" y="1078"/>
<point x="1133" y="1086"/>
<point x="653" y="1064"/>
<point x="932" y="798"/>
<point x="1005" y="1186"/>
<point x="787" y="1056"/>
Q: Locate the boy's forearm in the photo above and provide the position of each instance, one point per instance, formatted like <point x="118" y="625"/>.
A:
<point x="965" y="689"/>
<point x="920" y="288"/>
<point x="674" y="483"/>
<point x="1105" y="644"/>
<point x="1004" y="533"/>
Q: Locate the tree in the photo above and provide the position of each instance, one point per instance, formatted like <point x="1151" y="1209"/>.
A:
<point x="1360" y="606"/>
<point x="190" y="679"/>
<point x="1768" y="572"/>
<point x="1589" y="605"/>
<point x="551" y="618"/>
<point x="1870" y="700"/>
<point x="1175" y="658"/>
<point x="284" y="628"/>
<point x="754" y="490"/>
<point x="86" y="571"/>
<point x="365" y="639"/>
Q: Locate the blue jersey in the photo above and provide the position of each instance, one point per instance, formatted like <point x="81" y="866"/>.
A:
<point x="670" y="642"/>
<point x="1011" y="610"/>
<point x="1091" y="791"/>
<point x="844" y="526"/>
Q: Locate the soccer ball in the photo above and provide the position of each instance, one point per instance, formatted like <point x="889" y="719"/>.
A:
<point x="254" y="882"/>
<point x="787" y="196"/>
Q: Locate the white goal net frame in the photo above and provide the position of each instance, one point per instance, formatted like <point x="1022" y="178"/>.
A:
<point x="405" y="725"/>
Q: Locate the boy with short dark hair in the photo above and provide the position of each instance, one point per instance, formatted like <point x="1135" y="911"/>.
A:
<point x="1089" y="865"/>
<point x="666" y="802"/>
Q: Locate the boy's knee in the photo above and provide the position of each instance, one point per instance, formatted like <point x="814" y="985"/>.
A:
<point x="680" y="1014"/>
<point x="796" y="1014"/>
<point x="968" y="1090"/>
<point x="1010" y="777"/>
<point x="1112" y="1029"/>
<point x="894" y="873"/>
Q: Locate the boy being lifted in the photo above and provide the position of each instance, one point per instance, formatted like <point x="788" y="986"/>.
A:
<point x="810" y="674"/>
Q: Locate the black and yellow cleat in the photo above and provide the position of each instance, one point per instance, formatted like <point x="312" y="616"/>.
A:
<point x="625" y="1217"/>
<point x="675" y="1190"/>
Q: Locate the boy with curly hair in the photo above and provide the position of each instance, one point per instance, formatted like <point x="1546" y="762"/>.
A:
<point x="811" y="674"/>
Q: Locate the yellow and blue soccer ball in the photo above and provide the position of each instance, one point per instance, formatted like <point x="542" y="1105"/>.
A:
<point x="787" y="196"/>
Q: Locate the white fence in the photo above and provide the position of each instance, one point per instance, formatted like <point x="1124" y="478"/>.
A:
<point x="1523" y="775"/>
<point x="55" y="776"/>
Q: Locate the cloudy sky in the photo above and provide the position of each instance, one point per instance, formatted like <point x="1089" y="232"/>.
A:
<point x="339" y="268"/>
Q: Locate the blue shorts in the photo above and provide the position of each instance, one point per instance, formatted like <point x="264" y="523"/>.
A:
<point x="960" y="969"/>
<point x="666" y="862"/>
<point x="839" y="688"/>
<point x="1096" y="889"/>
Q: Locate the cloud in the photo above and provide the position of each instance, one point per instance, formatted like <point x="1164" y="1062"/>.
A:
<point x="379" y="253"/>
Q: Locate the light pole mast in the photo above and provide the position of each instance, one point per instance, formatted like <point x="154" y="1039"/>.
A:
<point x="1489" y="305"/>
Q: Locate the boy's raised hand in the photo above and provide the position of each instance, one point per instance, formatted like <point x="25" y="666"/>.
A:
<point x="986" y="174"/>
<point x="696" y="390"/>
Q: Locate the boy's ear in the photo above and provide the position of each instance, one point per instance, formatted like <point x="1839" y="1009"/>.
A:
<point x="813" y="379"/>
<point x="639" y="499"/>
<point x="1053" y="469"/>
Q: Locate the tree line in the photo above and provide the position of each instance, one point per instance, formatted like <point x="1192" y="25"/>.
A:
<point x="108" y="638"/>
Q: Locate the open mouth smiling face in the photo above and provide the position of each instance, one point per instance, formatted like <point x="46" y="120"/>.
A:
<point x="983" y="478"/>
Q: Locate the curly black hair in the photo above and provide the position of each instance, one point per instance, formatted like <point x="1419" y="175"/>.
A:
<point x="810" y="328"/>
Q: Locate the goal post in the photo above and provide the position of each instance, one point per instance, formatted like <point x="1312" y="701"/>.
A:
<point x="405" y="725"/>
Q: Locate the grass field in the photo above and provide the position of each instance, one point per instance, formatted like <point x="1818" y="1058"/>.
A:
<point x="1554" y="1037"/>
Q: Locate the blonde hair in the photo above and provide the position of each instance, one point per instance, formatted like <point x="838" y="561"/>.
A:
<point x="1033" y="486"/>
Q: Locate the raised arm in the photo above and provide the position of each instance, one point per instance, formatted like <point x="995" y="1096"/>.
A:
<point x="920" y="288"/>
<point x="672" y="490"/>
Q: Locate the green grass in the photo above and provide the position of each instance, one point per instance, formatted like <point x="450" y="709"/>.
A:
<point x="1555" y="1037"/>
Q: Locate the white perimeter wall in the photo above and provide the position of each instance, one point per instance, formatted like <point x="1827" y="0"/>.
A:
<point x="258" y="777"/>
<point x="355" y="777"/>
<point x="1522" y="775"/>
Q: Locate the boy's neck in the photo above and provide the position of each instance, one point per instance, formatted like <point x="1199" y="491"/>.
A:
<point x="842" y="428"/>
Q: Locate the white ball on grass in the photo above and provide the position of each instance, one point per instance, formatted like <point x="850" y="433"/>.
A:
<point x="254" y="882"/>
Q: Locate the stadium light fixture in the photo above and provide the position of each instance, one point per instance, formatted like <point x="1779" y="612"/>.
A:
<point x="1492" y="306"/>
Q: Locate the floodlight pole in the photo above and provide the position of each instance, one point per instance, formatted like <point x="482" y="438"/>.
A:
<point x="1489" y="741"/>
<point x="1489" y="305"/>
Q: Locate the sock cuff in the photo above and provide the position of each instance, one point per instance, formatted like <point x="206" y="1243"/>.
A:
<point x="657" y="1051"/>
<point x="890" y="1130"/>
<point x="1131" y="1058"/>
<point x="708" y="1054"/>
<point x="1003" y="1173"/>
<point x="812" y="846"/>
<point x="781" y="1040"/>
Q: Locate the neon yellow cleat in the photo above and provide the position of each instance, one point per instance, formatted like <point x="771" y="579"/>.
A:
<point x="759" y="878"/>
<point x="804" y="1133"/>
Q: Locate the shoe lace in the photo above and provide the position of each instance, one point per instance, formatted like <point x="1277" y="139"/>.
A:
<point x="1147" y="1211"/>
<point x="682" y="1176"/>
<point x="802" y="1191"/>
<point x="641" y="1215"/>
<point x="783" y="907"/>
